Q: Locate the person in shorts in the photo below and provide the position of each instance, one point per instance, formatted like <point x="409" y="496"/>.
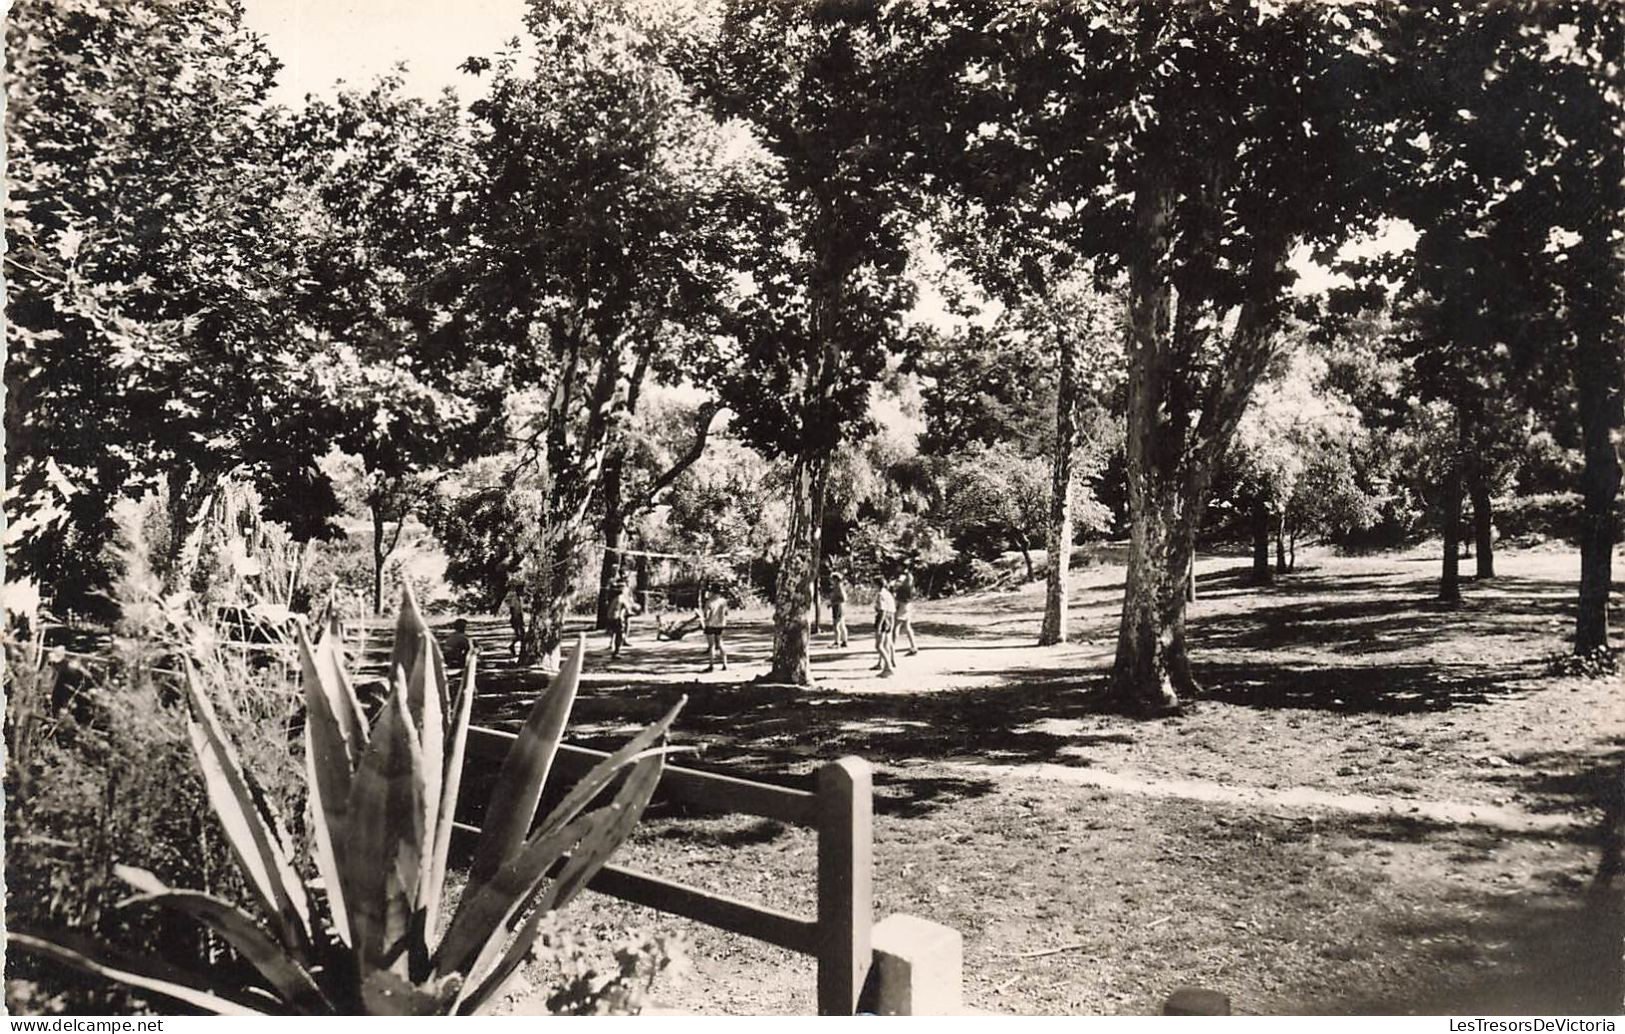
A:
<point x="904" y="592"/>
<point x="837" y="607"/>
<point x="620" y="618"/>
<point x="714" y="618"/>
<point x="885" y="627"/>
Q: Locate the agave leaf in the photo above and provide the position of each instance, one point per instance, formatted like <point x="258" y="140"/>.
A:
<point x="431" y="738"/>
<point x="290" y="979"/>
<point x="322" y="845"/>
<point x="518" y="786"/>
<point x="602" y="774"/>
<point x="610" y="828"/>
<point x="628" y="807"/>
<point x="144" y="974"/>
<point x="485" y="915"/>
<point x="384" y="854"/>
<point x="410" y="631"/>
<point x="331" y="751"/>
<point x="252" y="830"/>
<point x="451" y="789"/>
<point x="346" y="706"/>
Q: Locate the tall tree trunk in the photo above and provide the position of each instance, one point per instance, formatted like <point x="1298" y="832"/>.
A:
<point x="612" y="567"/>
<point x="793" y="592"/>
<point x="1599" y="394"/>
<point x="1483" y="526"/>
<point x="1261" y="543"/>
<point x="1151" y="639"/>
<point x="547" y="592"/>
<point x="1450" y="578"/>
<point x="377" y="560"/>
<point x="818" y="554"/>
<point x="1182" y="415"/>
<point x="1059" y="540"/>
<point x="1190" y="579"/>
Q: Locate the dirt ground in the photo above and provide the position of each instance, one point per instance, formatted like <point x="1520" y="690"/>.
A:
<point x="1379" y="806"/>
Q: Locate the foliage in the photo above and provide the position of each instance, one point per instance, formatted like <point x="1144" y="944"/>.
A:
<point x="152" y="249"/>
<point x="382" y="803"/>
<point x="108" y="777"/>
<point x="996" y="497"/>
<point x="1597" y="663"/>
<point x="605" y="268"/>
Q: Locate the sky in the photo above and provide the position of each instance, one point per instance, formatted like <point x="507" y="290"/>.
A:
<point x="322" y="41"/>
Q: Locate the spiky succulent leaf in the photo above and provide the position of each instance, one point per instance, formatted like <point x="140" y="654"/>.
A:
<point x="291" y="981"/>
<point x="518" y="786"/>
<point x="602" y="774"/>
<point x="431" y="740"/>
<point x="610" y="828"/>
<point x="143" y="974"/>
<point x="451" y="789"/>
<point x="487" y="914"/>
<point x="384" y="854"/>
<point x="251" y="828"/>
<point x="331" y="753"/>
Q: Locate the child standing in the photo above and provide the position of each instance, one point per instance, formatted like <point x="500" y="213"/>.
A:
<point x="714" y="616"/>
<point x="837" y="606"/>
<point x="620" y="618"/>
<point x="885" y="627"/>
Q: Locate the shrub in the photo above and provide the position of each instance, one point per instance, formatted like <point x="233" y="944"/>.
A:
<point x="372" y="936"/>
<point x="106" y="775"/>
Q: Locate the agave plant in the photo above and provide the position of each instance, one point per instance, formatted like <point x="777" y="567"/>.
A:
<point x="366" y="935"/>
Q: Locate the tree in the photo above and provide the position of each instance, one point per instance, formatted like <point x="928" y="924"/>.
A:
<point x="597" y="252"/>
<point x="1192" y="147"/>
<point x="829" y="289"/>
<point x="153" y="249"/>
<point x="639" y="472"/>
<point x="1292" y="463"/>
<point x="1516" y="182"/>
<point x="401" y="381"/>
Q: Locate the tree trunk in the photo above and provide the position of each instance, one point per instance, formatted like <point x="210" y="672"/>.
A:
<point x="189" y="498"/>
<point x="1026" y="557"/>
<point x="794" y="590"/>
<point x="818" y="556"/>
<point x="1151" y="639"/>
<point x="1190" y="578"/>
<point x="1450" y="579"/>
<point x="1182" y="414"/>
<point x="1059" y="540"/>
<point x="377" y="560"/>
<point x="547" y="591"/>
<point x="1261" y="543"/>
<point x="1280" y="542"/>
<point x="614" y="530"/>
<point x="1483" y="527"/>
<point x="1599" y="487"/>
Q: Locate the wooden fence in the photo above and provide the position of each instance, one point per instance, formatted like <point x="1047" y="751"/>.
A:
<point x="840" y="809"/>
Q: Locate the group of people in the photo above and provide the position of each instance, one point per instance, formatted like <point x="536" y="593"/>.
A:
<point x="894" y="615"/>
<point x="711" y="615"/>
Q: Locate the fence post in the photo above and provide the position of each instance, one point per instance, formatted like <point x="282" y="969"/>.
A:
<point x="845" y="889"/>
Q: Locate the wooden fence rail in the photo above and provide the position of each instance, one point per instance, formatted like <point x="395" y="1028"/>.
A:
<point x="840" y="810"/>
